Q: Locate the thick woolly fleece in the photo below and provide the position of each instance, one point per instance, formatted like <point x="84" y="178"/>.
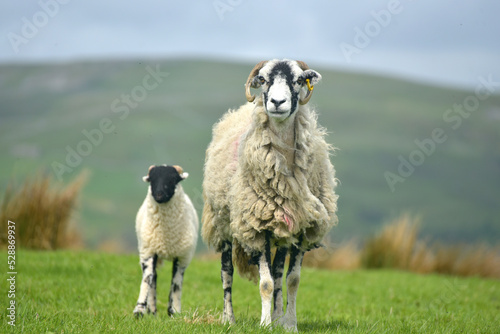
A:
<point x="249" y="186"/>
<point x="169" y="230"/>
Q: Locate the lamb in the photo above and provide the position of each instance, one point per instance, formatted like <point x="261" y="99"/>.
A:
<point x="268" y="182"/>
<point x="167" y="228"/>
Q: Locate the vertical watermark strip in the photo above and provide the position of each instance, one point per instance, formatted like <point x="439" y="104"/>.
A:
<point x="11" y="273"/>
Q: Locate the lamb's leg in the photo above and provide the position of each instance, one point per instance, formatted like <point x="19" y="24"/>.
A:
<point x="266" y="284"/>
<point x="289" y="321"/>
<point x="152" y="290"/>
<point x="227" y="281"/>
<point x="278" y="267"/>
<point x="147" y="296"/>
<point x="174" y="298"/>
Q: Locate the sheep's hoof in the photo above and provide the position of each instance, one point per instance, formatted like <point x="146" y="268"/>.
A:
<point x="277" y="316"/>
<point x="139" y="311"/>
<point x="171" y="311"/>
<point x="287" y="324"/>
<point x="228" y="319"/>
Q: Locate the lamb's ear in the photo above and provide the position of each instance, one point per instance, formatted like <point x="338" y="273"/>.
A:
<point x="184" y="175"/>
<point x="313" y="76"/>
<point x="146" y="178"/>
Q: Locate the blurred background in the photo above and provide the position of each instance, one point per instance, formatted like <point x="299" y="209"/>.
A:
<point x="410" y="97"/>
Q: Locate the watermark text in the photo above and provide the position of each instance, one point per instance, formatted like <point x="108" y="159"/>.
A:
<point x="11" y="273"/>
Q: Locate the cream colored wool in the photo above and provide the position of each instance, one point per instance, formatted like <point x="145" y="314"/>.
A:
<point x="250" y="187"/>
<point x="169" y="229"/>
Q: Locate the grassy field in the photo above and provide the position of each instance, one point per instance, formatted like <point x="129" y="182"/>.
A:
<point x="45" y="110"/>
<point x="89" y="292"/>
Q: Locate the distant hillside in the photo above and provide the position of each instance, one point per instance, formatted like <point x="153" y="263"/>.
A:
<point x="403" y="147"/>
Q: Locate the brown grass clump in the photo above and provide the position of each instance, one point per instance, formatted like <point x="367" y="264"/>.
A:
<point x="42" y="213"/>
<point x="422" y="260"/>
<point x="203" y="318"/>
<point x="466" y="260"/>
<point x="343" y="257"/>
<point x="393" y="247"/>
<point x="397" y="246"/>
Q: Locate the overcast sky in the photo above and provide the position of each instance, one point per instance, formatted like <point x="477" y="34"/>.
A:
<point x="445" y="41"/>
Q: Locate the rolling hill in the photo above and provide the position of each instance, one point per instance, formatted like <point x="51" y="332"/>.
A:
<point x="402" y="146"/>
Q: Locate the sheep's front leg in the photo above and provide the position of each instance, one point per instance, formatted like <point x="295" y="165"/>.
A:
<point x="266" y="284"/>
<point x="174" y="299"/>
<point x="278" y="267"/>
<point x="289" y="321"/>
<point x="227" y="281"/>
<point x="147" y="295"/>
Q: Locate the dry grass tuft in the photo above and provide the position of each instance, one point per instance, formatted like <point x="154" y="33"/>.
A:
<point x="466" y="260"/>
<point x="42" y="213"/>
<point x="346" y="256"/>
<point x="203" y="318"/>
<point x="422" y="260"/>
<point x="397" y="246"/>
<point x="394" y="246"/>
<point x="114" y="246"/>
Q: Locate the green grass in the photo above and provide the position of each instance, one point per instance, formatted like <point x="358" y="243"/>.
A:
<point x="88" y="292"/>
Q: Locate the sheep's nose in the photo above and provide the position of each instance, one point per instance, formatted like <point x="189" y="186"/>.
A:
<point x="160" y="197"/>
<point x="277" y="103"/>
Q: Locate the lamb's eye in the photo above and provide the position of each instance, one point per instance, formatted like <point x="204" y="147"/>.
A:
<point x="299" y="81"/>
<point x="262" y="80"/>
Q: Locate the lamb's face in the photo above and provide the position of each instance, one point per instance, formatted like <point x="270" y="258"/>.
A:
<point x="282" y="83"/>
<point x="163" y="181"/>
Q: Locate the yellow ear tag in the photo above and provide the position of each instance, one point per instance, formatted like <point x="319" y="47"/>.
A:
<point x="309" y="85"/>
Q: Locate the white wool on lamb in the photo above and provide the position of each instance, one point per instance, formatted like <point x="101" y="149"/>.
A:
<point x="269" y="182"/>
<point x="167" y="229"/>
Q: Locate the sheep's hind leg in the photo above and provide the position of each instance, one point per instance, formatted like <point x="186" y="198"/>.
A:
<point x="174" y="299"/>
<point x="278" y="267"/>
<point x="266" y="283"/>
<point x="147" y="295"/>
<point x="289" y="321"/>
<point x="227" y="281"/>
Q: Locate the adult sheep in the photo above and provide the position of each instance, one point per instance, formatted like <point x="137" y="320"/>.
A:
<point x="167" y="228"/>
<point x="268" y="182"/>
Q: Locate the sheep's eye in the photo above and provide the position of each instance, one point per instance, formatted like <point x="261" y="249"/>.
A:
<point x="299" y="81"/>
<point x="262" y="80"/>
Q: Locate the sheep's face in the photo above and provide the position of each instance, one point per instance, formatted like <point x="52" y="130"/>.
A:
<point x="163" y="181"/>
<point x="284" y="85"/>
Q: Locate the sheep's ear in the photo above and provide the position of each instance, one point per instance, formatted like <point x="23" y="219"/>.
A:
<point x="313" y="76"/>
<point x="146" y="178"/>
<point x="184" y="175"/>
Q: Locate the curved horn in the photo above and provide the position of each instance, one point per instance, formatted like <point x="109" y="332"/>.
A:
<point x="303" y="66"/>
<point x="307" y="97"/>
<point x="253" y="73"/>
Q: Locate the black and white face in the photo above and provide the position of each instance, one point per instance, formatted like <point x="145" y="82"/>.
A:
<point x="282" y="82"/>
<point x="163" y="181"/>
